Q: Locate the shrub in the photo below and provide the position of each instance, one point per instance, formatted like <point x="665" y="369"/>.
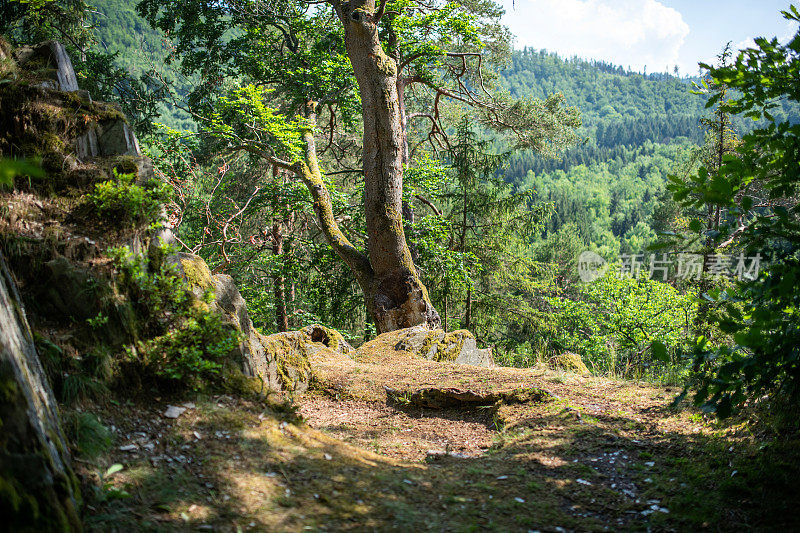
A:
<point x="125" y="203"/>
<point x="185" y="341"/>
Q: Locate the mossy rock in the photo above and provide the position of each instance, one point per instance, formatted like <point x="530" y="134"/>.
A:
<point x="329" y="337"/>
<point x="570" y="362"/>
<point x="458" y="347"/>
<point x="291" y="351"/>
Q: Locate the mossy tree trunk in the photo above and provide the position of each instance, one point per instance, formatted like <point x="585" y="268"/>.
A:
<point x="38" y="489"/>
<point x="396" y="296"/>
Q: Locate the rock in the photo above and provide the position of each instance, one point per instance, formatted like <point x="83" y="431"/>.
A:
<point x="71" y="292"/>
<point x="451" y="397"/>
<point x="39" y="489"/>
<point x="279" y="361"/>
<point x="115" y="137"/>
<point x="49" y="60"/>
<point x="68" y="291"/>
<point x="328" y="337"/>
<point x="459" y="347"/>
<point x="86" y="145"/>
<point x="174" y="411"/>
<point x="569" y="361"/>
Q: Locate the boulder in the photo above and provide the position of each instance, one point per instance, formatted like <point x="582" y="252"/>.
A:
<point x="459" y="347"/>
<point x="570" y="362"/>
<point x="280" y="361"/>
<point x="115" y="137"/>
<point x="38" y="489"/>
<point x="51" y="63"/>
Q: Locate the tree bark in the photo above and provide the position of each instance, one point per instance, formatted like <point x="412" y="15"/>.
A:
<point x="395" y="296"/>
<point x="279" y="281"/>
<point x="468" y="312"/>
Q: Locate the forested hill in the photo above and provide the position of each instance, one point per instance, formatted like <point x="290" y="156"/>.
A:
<point x="620" y="109"/>
<point x="139" y="47"/>
<point x="604" y="92"/>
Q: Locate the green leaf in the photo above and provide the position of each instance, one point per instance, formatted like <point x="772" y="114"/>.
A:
<point x="660" y="352"/>
<point x="11" y="168"/>
<point x="113" y="469"/>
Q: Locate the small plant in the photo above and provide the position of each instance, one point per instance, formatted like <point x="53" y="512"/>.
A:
<point x="186" y="341"/>
<point x="87" y="434"/>
<point x="106" y="491"/>
<point x="98" y="321"/>
<point x="122" y="201"/>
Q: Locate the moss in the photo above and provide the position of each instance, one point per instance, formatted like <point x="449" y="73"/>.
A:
<point x="125" y="164"/>
<point x="290" y="352"/>
<point x="48" y="508"/>
<point x="331" y="338"/>
<point x="49" y="142"/>
<point x="448" y="347"/>
<point x="571" y="362"/>
<point x="197" y="272"/>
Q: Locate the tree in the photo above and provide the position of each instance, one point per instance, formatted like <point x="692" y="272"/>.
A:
<point x="758" y="188"/>
<point x="304" y="47"/>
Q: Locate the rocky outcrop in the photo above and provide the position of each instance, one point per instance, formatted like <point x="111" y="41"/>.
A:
<point x="38" y="490"/>
<point x="44" y="103"/>
<point x="84" y="142"/>
<point x="436" y="345"/>
<point x="280" y="361"/>
<point x="50" y="64"/>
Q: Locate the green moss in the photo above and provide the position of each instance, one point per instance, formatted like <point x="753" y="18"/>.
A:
<point x="325" y="335"/>
<point x="290" y="352"/>
<point x="126" y="164"/>
<point x="448" y="348"/>
<point x="197" y="272"/>
<point x="571" y="362"/>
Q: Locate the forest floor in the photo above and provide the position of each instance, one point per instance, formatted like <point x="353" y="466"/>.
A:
<point x="387" y="441"/>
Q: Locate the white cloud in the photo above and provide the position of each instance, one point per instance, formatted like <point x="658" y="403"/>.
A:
<point x="635" y="33"/>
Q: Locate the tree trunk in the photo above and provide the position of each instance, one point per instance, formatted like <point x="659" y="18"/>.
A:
<point x="395" y="296"/>
<point x="281" y="318"/>
<point x="468" y="312"/>
<point x="39" y="489"/>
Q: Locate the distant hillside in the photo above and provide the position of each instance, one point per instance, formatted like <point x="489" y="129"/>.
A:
<point x="120" y="29"/>
<point x="620" y="109"/>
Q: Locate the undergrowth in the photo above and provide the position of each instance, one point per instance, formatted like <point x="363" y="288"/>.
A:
<point x="124" y="203"/>
<point x="184" y="342"/>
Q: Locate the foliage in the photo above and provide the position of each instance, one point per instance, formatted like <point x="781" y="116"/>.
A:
<point x="185" y="342"/>
<point x="756" y="190"/>
<point x="242" y="114"/>
<point x="123" y="202"/>
<point x="613" y="321"/>
<point x="87" y="434"/>
<point x="11" y="168"/>
<point x="139" y="97"/>
<point x="39" y="20"/>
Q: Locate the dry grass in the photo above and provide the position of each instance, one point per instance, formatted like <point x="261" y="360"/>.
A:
<point x="602" y="455"/>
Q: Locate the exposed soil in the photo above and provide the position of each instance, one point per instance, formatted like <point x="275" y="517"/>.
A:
<point x="595" y="455"/>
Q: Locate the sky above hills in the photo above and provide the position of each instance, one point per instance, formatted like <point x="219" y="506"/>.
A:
<point x="656" y="34"/>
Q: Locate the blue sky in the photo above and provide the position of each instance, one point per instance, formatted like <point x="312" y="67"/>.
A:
<point x="657" y="34"/>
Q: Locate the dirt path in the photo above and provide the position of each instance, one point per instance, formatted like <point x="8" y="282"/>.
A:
<point x="548" y="451"/>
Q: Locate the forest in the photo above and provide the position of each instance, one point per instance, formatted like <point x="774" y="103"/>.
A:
<point x="366" y="266"/>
